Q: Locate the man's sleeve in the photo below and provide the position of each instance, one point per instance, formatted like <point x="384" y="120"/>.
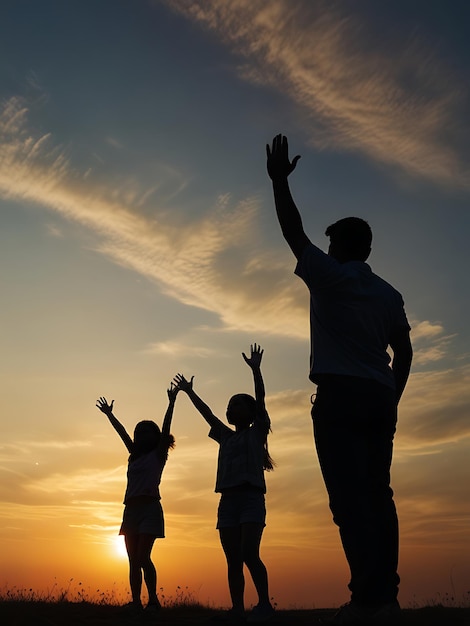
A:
<point x="401" y="321"/>
<point x="317" y="269"/>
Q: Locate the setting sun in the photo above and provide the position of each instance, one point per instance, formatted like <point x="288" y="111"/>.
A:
<point x="120" y="546"/>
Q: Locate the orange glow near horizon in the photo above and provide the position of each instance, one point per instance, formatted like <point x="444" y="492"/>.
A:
<point x="60" y="517"/>
<point x="300" y="577"/>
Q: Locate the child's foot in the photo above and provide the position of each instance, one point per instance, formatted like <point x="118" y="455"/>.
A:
<point x="153" y="606"/>
<point x="132" y="607"/>
<point x="232" y="616"/>
<point x="261" y="613"/>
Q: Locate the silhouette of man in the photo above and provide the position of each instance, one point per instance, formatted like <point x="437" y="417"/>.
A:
<point x="355" y="316"/>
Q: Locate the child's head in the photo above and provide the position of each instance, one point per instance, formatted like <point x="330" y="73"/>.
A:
<point x="241" y="410"/>
<point x="146" y="435"/>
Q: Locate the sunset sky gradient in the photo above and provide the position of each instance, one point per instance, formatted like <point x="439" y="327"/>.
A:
<point x="139" y="239"/>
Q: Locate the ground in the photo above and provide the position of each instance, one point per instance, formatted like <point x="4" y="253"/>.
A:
<point x="24" y="613"/>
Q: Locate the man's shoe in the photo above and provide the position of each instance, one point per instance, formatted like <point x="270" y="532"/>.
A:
<point x="387" y="614"/>
<point x="353" y="614"/>
<point x="350" y="614"/>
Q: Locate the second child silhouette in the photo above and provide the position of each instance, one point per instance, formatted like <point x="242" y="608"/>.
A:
<point x="143" y="521"/>
<point x="243" y="458"/>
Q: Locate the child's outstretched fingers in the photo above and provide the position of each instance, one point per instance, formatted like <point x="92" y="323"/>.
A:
<point x="256" y="354"/>
<point x="183" y="384"/>
<point x="172" y="391"/>
<point x="102" y="405"/>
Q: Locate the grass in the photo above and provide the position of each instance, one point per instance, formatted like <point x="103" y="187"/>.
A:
<point x="75" y="606"/>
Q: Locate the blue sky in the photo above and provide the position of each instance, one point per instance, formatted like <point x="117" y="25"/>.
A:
<point x="139" y="239"/>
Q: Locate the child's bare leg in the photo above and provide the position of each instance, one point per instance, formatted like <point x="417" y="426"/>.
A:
<point x="135" y="572"/>
<point x="150" y="573"/>
<point x="230" y="538"/>
<point x="250" y="543"/>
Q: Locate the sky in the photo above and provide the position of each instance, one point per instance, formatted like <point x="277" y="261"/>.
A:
<point x="138" y="239"/>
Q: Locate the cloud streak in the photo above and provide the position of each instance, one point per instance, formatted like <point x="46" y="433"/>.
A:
<point x="435" y="408"/>
<point x="203" y="263"/>
<point x="396" y="105"/>
<point x="430" y="344"/>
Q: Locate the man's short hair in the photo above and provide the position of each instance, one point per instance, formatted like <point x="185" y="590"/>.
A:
<point x="353" y="236"/>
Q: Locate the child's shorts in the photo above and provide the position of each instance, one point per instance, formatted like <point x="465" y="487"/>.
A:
<point x="143" y="516"/>
<point x="241" y="505"/>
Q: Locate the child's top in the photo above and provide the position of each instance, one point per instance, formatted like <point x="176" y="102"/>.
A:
<point x="241" y="454"/>
<point x="144" y="474"/>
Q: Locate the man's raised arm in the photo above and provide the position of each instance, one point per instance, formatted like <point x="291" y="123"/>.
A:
<point x="279" y="167"/>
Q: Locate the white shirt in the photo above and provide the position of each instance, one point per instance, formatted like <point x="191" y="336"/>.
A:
<point x="241" y="454"/>
<point x="144" y="475"/>
<point x="353" y="315"/>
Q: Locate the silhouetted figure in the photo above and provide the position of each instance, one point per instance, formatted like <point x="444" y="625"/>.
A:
<point x="243" y="457"/>
<point x="143" y="520"/>
<point x="354" y="316"/>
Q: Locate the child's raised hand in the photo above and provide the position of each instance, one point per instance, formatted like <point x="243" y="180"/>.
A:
<point x="172" y="391"/>
<point x="103" y="405"/>
<point x="182" y="384"/>
<point x="256" y="355"/>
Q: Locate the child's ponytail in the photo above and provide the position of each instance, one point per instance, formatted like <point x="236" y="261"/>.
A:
<point x="268" y="463"/>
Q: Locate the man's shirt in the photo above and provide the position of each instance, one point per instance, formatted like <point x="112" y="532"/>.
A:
<point x="353" y="315"/>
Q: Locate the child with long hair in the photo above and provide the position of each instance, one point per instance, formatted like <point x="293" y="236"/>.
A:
<point x="143" y="520"/>
<point x="243" y="458"/>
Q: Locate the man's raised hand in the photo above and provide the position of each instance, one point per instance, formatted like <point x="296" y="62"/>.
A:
<point x="278" y="163"/>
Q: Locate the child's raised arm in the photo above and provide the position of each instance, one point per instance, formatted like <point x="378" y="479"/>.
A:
<point x="172" y="392"/>
<point x="187" y="386"/>
<point x="254" y="362"/>
<point x="107" y="409"/>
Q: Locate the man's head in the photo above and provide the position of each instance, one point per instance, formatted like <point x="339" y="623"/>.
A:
<point x="350" y="239"/>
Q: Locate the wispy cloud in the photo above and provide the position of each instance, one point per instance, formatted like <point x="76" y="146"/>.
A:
<point x="430" y="343"/>
<point x="115" y="143"/>
<point x="435" y="408"/>
<point x="84" y="481"/>
<point x="203" y="263"/>
<point x="51" y="444"/>
<point x="176" y="349"/>
<point x="54" y="231"/>
<point x="398" y="105"/>
<point x="426" y="330"/>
